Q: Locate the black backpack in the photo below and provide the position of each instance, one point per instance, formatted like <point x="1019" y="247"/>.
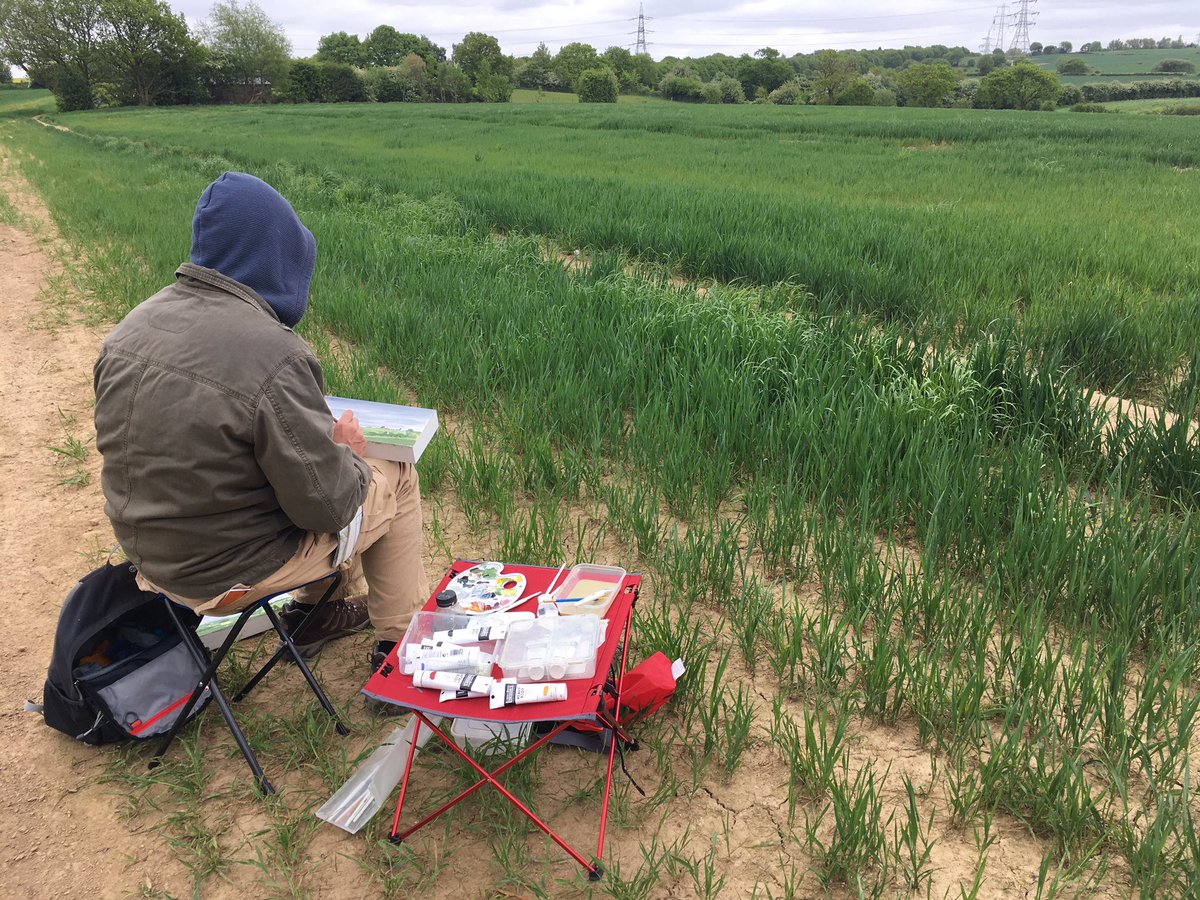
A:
<point x="119" y="669"/>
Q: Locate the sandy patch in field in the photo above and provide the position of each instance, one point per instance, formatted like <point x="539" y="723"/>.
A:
<point x="61" y="836"/>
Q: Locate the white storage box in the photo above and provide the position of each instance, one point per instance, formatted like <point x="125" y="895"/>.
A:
<point x="550" y="648"/>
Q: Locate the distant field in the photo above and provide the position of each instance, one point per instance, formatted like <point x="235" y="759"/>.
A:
<point x="1152" y="107"/>
<point x="21" y="102"/>
<point x="559" y="97"/>
<point x="1120" y="65"/>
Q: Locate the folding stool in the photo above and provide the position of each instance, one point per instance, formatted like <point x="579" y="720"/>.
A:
<point x="287" y="647"/>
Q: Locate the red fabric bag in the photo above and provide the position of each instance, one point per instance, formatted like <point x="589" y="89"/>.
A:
<point x="647" y="687"/>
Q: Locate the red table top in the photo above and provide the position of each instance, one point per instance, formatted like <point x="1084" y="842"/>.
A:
<point x="583" y="694"/>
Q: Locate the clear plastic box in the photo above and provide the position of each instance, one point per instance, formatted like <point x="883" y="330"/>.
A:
<point x="583" y="581"/>
<point x="424" y="624"/>
<point x="550" y="648"/>
<point x="476" y="732"/>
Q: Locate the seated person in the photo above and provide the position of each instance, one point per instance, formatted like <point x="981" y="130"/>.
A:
<point x="224" y="474"/>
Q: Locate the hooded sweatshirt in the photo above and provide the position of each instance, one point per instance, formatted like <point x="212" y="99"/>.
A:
<point x="247" y="231"/>
<point x="210" y="413"/>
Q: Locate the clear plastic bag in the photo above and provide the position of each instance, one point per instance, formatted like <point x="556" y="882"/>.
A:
<point x="365" y="792"/>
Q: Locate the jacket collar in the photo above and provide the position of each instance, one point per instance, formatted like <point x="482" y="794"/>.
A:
<point x="224" y="283"/>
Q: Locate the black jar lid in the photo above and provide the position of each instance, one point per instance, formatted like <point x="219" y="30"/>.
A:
<point x="446" y="598"/>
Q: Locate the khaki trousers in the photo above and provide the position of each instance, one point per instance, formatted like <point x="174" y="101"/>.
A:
<point x="389" y="553"/>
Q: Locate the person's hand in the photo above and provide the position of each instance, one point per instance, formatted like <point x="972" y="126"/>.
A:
<point x="348" y="431"/>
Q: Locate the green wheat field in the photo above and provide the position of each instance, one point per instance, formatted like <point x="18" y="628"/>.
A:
<point x="894" y="408"/>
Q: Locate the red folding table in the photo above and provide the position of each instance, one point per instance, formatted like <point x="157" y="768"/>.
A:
<point x="593" y="701"/>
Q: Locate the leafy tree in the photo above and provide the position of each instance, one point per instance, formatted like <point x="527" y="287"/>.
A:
<point x="1116" y="44"/>
<point x="926" y="84"/>
<point x="5" y="73"/>
<point x="986" y="64"/>
<point x="385" y="46"/>
<point x="1073" y="66"/>
<point x="537" y="71"/>
<point x="1179" y="66"/>
<point x="572" y="60"/>
<point x="859" y="92"/>
<point x="415" y="68"/>
<point x="790" y="93"/>
<point x="450" y="84"/>
<point x="389" y="84"/>
<point x="1035" y="47"/>
<point x="1066" y="47"/>
<point x="597" y="86"/>
<point x="341" y="47"/>
<point x="58" y="42"/>
<point x="619" y="60"/>
<point x="833" y="72"/>
<point x="480" y="53"/>
<point x="249" y="48"/>
<point x="492" y="87"/>
<point x="680" y="87"/>
<point x="341" y="84"/>
<point x="303" y="83"/>
<point x="1022" y="86"/>
<point x="149" y="52"/>
<point x="729" y="89"/>
<point x="766" y="70"/>
<point x="322" y="82"/>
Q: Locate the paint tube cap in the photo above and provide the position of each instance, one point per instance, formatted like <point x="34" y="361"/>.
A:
<point x="446" y="599"/>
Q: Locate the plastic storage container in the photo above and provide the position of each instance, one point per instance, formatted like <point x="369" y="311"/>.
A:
<point x="551" y="648"/>
<point x="425" y="624"/>
<point x="476" y="733"/>
<point x="583" y="582"/>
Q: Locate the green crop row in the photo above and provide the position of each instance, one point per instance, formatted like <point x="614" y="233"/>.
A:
<point x="1076" y="233"/>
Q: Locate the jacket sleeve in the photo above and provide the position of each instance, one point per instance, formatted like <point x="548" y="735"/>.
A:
<point x="318" y="483"/>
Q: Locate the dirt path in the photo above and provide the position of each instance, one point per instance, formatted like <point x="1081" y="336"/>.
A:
<point x="58" y="840"/>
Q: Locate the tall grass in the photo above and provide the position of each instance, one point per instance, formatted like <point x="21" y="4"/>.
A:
<point x="1075" y="231"/>
<point x="894" y="525"/>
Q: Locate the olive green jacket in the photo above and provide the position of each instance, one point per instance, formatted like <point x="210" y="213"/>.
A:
<point x="216" y="441"/>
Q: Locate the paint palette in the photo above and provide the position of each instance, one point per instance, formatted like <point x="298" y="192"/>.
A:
<point x="486" y="588"/>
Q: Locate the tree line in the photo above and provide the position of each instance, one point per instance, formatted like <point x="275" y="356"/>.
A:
<point x="113" y="52"/>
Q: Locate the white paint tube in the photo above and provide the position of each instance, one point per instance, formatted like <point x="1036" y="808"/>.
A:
<point x="414" y="652"/>
<point x="508" y="693"/>
<point x="447" y="660"/>
<point x="457" y="685"/>
<point x="475" y="633"/>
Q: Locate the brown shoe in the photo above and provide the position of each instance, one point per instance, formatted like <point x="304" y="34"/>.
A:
<point x="335" y="619"/>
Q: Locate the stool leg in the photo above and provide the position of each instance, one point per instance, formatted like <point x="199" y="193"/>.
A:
<point x="307" y="672"/>
<point x="283" y="645"/>
<point x="209" y="680"/>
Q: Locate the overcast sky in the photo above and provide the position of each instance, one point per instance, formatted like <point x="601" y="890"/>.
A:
<point x="700" y="27"/>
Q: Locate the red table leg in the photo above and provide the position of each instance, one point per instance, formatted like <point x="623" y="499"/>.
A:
<point x="477" y="785"/>
<point x="612" y="747"/>
<point x="594" y="872"/>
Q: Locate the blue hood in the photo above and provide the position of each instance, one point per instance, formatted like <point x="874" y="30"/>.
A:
<point x="247" y="231"/>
